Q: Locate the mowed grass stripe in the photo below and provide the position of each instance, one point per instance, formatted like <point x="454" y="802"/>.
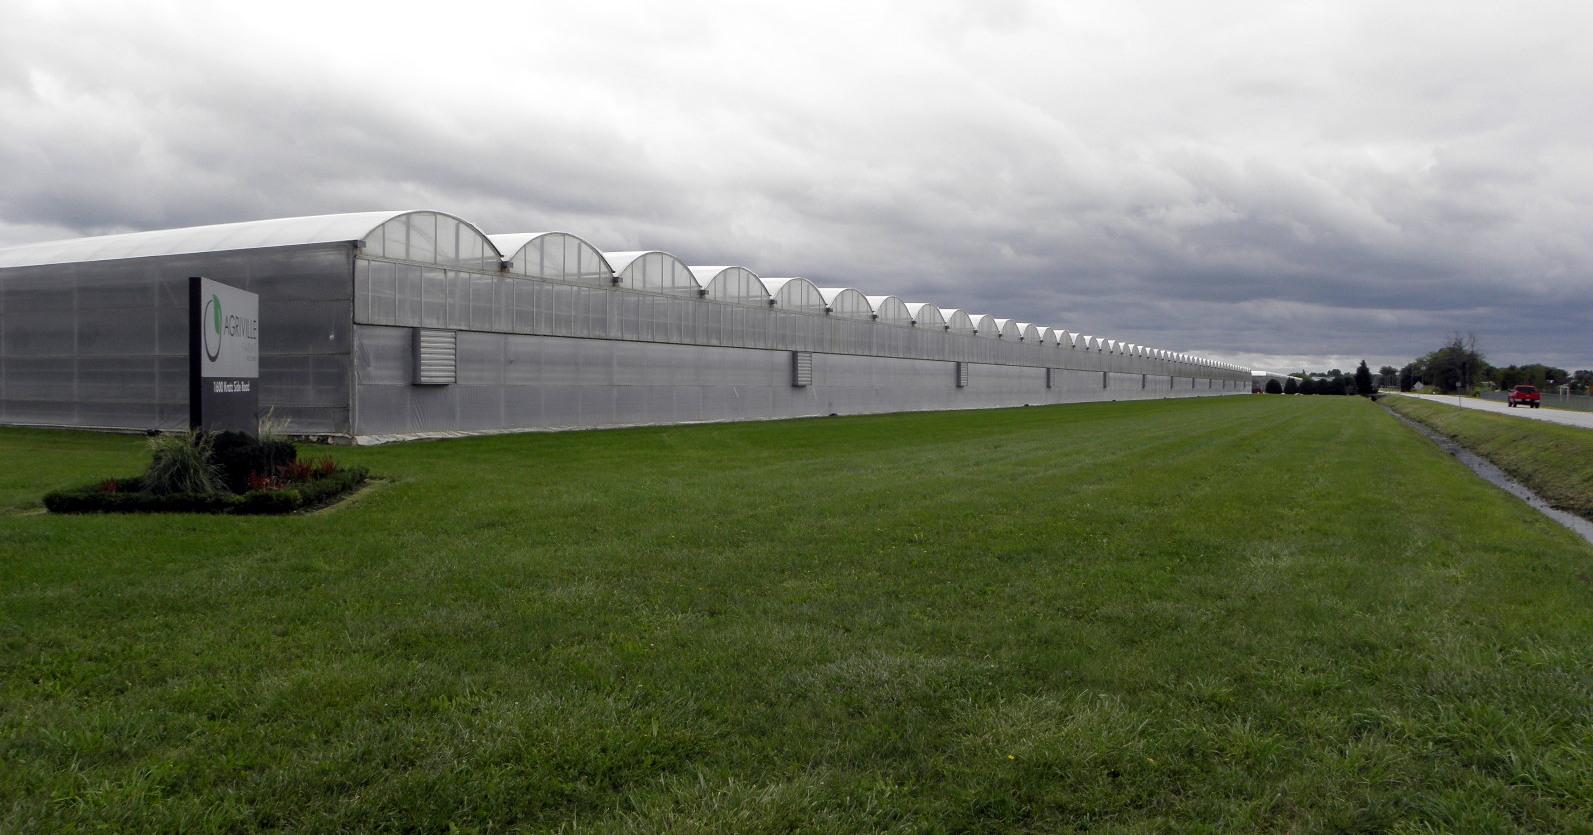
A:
<point x="1238" y="613"/>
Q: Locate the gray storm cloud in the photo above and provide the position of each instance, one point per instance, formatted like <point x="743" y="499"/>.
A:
<point x="1279" y="186"/>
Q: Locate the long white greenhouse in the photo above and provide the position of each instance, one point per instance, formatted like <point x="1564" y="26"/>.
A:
<point x="547" y="332"/>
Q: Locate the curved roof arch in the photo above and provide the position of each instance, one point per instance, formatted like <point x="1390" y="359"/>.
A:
<point x="735" y="285"/>
<point x="1027" y="332"/>
<point x="557" y="256"/>
<point x="796" y="294"/>
<point x="985" y="325"/>
<point x="1047" y="336"/>
<point x="1063" y="337"/>
<point x="253" y="234"/>
<point x="1007" y="329"/>
<point x="958" y="321"/>
<point x="654" y="271"/>
<point x="846" y="303"/>
<point x="890" y="310"/>
<point x="430" y="237"/>
<point x="926" y="315"/>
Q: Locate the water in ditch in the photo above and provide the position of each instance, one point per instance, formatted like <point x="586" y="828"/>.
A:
<point x="1485" y="468"/>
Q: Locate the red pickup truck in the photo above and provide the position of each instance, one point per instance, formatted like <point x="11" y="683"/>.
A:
<point x="1524" y="395"/>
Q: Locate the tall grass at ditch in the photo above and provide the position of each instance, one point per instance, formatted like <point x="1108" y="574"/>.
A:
<point x="1556" y="461"/>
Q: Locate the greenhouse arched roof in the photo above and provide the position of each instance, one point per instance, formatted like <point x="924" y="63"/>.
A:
<point x="221" y="237"/>
<point x="796" y="294"/>
<point x="926" y="315"/>
<point x="846" y="303"/>
<point x="559" y="256"/>
<point x="737" y="285"/>
<point x="890" y="310"/>
<point x="655" y="271"/>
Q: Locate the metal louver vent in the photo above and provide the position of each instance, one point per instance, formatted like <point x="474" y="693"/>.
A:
<point x="962" y="375"/>
<point x="436" y="357"/>
<point x="801" y="369"/>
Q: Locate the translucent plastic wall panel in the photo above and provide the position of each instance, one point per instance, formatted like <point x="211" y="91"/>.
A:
<point x="447" y="240"/>
<point x="551" y="259"/>
<point x="423" y="237"/>
<point x="106" y="343"/>
<point x="433" y="285"/>
<point x="395" y="234"/>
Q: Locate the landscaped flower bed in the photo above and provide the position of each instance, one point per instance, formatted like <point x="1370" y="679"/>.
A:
<point x="227" y="472"/>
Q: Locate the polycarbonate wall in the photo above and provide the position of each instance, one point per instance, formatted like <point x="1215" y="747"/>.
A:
<point x="105" y="343"/>
<point x="414" y="295"/>
<point x="519" y="381"/>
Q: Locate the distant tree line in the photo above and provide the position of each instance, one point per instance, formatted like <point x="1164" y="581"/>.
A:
<point x="1333" y="382"/>
<point x="1460" y="366"/>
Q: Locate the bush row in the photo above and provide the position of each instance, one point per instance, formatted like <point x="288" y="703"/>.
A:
<point x="127" y="495"/>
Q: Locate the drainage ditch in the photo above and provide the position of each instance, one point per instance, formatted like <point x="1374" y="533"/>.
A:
<point x="1492" y="474"/>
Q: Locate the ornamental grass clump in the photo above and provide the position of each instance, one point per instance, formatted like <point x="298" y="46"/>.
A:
<point x="225" y="472"/>
<point x="182" y="464"/>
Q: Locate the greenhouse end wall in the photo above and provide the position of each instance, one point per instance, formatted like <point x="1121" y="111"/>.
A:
<point x="104" y="344"/>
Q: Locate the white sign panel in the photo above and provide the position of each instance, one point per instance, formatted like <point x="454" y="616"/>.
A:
<point x="229" y="330"/>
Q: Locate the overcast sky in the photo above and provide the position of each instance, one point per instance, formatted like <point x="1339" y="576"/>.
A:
<point x="1277" y="184"/>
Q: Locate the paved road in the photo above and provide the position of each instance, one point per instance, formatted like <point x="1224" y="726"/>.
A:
<point x="1569" y="418"/>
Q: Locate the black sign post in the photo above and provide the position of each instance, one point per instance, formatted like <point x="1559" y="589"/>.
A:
<point x="223" y="357"/>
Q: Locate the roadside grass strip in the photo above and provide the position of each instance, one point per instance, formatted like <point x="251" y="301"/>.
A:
<point x="1555" y="461"/>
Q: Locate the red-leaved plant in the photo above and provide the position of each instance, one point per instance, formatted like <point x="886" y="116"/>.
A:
<point x="109" y="485"/>
<point x="262" y="482"/>
<point x="298" y="471"/>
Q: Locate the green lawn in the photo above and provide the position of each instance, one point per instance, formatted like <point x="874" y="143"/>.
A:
<point x="1230" y="614"/>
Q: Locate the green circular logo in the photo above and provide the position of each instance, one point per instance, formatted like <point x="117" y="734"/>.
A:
<point x="212" y="326"/>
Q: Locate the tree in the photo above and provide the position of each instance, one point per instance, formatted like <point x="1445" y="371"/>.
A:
<point x="1456" y="366"/>
<point x="1292" y="386"/>
<point x="1388" y="375"/>
<point x="1274" y="387"/>
<point x="1308" y="386"/>
<point x="1363" y="380"/>
<point x="1408" y="376"/>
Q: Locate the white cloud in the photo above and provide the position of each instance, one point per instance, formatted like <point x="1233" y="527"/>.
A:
<point x="1266" y="180"/>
